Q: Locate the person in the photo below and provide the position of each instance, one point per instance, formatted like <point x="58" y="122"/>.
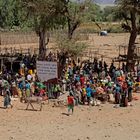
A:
<point x="27" y="89"/>
<point x="32" y="87"/>
<point x="130" y="90"/>
<point x="21" y="87"/>
<point x="57" y="90"/>
<point x="124" y="93"/>
<point x="64" y="84"/>
<point x="14" y="88"/>
<point x="70" y="101"/>
<point x="117" y="92"/>
<point x="88" y="93"/>
<point x="29" y="77"/>
<point x="83" y="92"/>
<point x="7" y="99"/>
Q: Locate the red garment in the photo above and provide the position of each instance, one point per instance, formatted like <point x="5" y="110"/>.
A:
<point x="70" y="100"/>
<point x="82" y="80"/>
<point x="42" y="91"/>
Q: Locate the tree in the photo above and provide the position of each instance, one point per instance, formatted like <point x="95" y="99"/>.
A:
<point x="45" y="15"/>
<point x="130" y="10"/>
<point x="73" y="47"/>
<point x="73" y="12"/>
<point x="10" y="14"/>
<point x="111" y="14"/>
<point x="69" y="48"/>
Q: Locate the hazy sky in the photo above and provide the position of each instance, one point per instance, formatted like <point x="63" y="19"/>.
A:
<point x="101" y="1"/>
<point x="105" y="1"/>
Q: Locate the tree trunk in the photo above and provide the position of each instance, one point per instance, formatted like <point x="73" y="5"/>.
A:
<point x="42" y="45"/>
<point x="131" y="50"/>
<point x="72" y="27"/>
<point x="131" y="46"/>
<point x="70" y="33"/>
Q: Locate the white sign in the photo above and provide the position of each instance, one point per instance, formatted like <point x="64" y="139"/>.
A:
<point x="46" y="70"/>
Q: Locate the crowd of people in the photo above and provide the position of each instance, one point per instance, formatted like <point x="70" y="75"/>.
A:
<point x="86" y="83"/>
<point x="97" y="81"/>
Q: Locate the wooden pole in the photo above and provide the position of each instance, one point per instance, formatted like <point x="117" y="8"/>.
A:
<point x="1" y="63"/>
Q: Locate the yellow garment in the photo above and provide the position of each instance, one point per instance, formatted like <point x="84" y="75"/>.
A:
<point x="84" y="91"/>
<point x="30" y="72"/>
<point x="28" y="92"/>
<point x="19" y="93"/>
<point x="66" y="75"/>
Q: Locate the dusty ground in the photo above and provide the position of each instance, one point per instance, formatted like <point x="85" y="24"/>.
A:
<point x="105" y="46"/>
<point x="91" y="123"/>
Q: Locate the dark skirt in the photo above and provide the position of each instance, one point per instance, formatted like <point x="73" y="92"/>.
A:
<point x="7" y="101"/>
<point x="117" y="98"/>
<point x="129" y="94"/>
<point x="124" y="101"/>
<point x="14" y="91"/>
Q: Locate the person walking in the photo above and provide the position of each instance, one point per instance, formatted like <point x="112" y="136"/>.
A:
<point x="70" y="101"/>
<point x="7" y="99"/>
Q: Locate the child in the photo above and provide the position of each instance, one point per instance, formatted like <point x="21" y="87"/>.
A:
<point x="70" y="104"/>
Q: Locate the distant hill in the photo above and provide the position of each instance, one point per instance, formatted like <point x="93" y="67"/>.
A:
<point x="105" y="1"/>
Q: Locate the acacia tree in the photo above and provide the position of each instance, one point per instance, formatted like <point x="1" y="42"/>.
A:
<point x="73" y="12"/>
<point x="11" y="14"/>
<point x="45" y="15"/>
<point x="78" y="12"/>
<point x="130" y="10"/>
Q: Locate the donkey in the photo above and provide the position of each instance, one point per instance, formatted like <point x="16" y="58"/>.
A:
<point x="34" y="99"/>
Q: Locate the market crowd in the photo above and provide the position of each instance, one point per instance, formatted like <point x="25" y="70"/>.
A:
<point x="87" y="83"/>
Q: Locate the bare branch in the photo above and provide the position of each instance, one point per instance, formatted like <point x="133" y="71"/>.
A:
<point x="126" y="27"/>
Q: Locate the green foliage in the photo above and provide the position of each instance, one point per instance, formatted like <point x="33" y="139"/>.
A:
<point x="129" y="10"/>
<point x="115" y="29"/>
<point x="34" y="14"/>
<point x="131" y="15"/>
<point x="45" y="14"/>
<point x="74" y="47"/>
<point x="112" y="14"/>
<point x="93" y="11"/>
<point x="87" y="30"/>
<point x="26" y="14"/>
<point x="13" y="16"/>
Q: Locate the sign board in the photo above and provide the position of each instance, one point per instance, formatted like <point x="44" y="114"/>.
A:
<point x="46" y="70"/>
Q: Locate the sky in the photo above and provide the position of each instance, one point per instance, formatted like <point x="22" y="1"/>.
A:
<point x="101" y="1"/>
<point x="105" y="1"/>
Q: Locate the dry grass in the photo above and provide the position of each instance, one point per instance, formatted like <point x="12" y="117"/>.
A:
<point x="99" y="46"/>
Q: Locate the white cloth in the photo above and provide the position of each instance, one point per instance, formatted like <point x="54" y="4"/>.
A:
<point x="29" y="77"/>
